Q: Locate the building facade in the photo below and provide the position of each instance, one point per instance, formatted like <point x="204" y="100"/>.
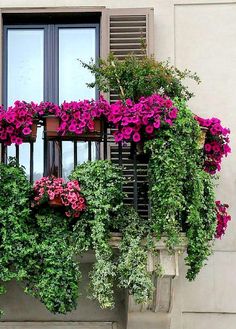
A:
<point x="196" y="34"/>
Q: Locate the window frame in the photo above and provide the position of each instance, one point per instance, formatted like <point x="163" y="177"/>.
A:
<point x="52" y="153"/>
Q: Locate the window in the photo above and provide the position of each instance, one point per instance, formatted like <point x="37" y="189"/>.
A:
<point x="41" y="63"/>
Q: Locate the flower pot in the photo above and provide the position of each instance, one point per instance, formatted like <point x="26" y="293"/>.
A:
<point x="56" y="202"/>
<point x="51" y="126"/>
<point x="95" y="135"/>
<point x="51" y="131"/>
<point x="202" y="137"/>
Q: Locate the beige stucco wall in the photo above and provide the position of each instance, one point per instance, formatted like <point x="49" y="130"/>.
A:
<point x="200" y="35"/>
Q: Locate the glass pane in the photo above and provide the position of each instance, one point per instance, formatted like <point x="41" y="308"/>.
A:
<point x="38" y="155"/>
<point x="25" y="75"/>
<point x="67" y="158"/>
<point x="11" y="151"/>
<point x="82" y="152"/>
<point x="74" y="44"/>
<point x="25" y="63"/>
<point x="93" y="151"/>
<point x="24" y="157"/>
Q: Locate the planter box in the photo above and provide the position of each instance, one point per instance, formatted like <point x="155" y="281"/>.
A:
<point x="51" y="131"/>
<point x="56" y="202"/>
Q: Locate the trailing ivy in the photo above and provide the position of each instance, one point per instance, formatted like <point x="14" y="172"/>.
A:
<point x="101" y="183"/>
<point x="132" y="262"/>
<point x="55" y="278"/>
<point x="181" y="194"/>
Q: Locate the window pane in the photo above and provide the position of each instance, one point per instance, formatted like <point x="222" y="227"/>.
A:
<point x="11" y="151"/>
<point x="24" y="157"/>
<point x="74" y="44"/>
<point x="93" y="151"/>
<point x="67" y="158"/>
<point x="38" y="155"/>
<point x="25" y="63"/>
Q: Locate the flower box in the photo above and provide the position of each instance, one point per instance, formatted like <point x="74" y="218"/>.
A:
<point x="56" y="202"/>
<point x="52" y="124"/>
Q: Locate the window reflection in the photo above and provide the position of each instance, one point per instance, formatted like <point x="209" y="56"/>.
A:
<point x="25" y="81"/>
<point x="38" y="155"/>
<point x="74" y="44"/>
<point x="67" y="158"/>
<point x="25" y="62"/>
<point x="24" y="157"/>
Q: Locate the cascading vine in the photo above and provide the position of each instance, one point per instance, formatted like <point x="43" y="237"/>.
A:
<point x="181" y="193"/>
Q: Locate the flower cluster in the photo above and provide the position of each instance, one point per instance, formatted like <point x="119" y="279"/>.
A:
<point x="216" y="144"/>
<point x="78" y="117"/>
<point x="50" y="188"/>
<point x="135" y="121"/>
<point x="222" y="219"/>
<point x="48" y="108"/>
<point x="16" y="123"/>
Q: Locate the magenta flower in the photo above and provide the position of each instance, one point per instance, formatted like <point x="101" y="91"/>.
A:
<point x="149" y="129"/>
<point x="26" y="131"/>
<point x="207" y="147"/>
<point x="136" y="137"/>
<point x="217" y="144"/>
<point x="19" y="141"/>
<point x="173" y="113"/>
<point x="157" y="124"/>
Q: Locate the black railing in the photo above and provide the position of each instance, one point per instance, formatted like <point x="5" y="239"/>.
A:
<point x="124" y="155"/>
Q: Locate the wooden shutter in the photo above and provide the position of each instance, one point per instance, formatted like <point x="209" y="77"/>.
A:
<point x="121" y="34"/>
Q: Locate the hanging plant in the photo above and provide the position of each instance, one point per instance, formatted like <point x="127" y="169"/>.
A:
<point x="58" y="192"/>
<point x="181" y="193"/>
<point x="216" y="143"/>
<point x="222" y="219"/>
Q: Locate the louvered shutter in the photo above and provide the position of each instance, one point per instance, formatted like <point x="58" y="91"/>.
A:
<point x="121" y="33"/>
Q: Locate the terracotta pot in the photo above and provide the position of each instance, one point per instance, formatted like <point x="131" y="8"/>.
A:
<point x="51" y="126"/>
<point x="56" y="202"/>
<point x="33" y="135"/>
<point x="202" y="138"/>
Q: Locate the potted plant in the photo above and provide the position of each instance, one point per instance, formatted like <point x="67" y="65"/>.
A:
<point x="18" y="123"/>
<point x="216" y="143"/>
<point x="58" y="193"/>
<point x="82" y="120"/>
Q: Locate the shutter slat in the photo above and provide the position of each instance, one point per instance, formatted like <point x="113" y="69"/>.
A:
<point x="127" y="30"/>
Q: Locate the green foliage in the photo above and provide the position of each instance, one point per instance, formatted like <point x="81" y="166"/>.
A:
<point x="181" y="194"/>
<point x="35" y="250"/>
<point x="101" y="183"/>
<point x="55" y="277"/>
<point x="15" y="237"/>
<point x="132" y="263"/>
<point x="38" y="248"/>
<point x="134" y="77"/>
<point x="201" y="221"/>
